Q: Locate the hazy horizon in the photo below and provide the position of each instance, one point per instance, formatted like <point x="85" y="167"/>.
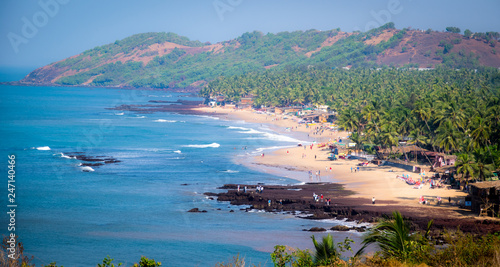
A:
<point x="37" y="33"/>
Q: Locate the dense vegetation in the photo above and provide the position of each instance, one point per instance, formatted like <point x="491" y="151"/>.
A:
<point x="444" y="110"/>
<point x="119" y="63"/>
<point x="398" y="246"/>
<point x="397" y="243"/>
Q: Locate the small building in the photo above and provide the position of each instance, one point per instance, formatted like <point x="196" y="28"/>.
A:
<point x="485" y="198"/>
<point x="441" y="160"/>
<point x="323" y="108"/>
<point x="246" y="101"/>
<point x="220" y="99"/>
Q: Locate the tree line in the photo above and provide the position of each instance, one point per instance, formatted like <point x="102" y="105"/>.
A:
<point x="444" y="110"/>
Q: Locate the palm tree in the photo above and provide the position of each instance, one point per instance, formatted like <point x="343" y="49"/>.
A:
<point x="393" y="237"/>
<point x="349" y="120"/>
<point x="481" y="132"/>
<point x="448" y="137"/>
<point x="465" y="165"/>
<point x="326" y="252"/>
<point x="484" y="165"/>
<point x="358" y="139"/>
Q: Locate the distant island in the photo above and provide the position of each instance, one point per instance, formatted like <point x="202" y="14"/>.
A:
<point x="170" y="61"/>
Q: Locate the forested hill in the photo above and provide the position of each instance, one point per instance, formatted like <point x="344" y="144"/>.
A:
<point x="167" y="60"/>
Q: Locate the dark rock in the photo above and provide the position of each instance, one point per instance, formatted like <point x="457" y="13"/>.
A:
<point x="317" y="229"/>
<point x="231" y="211"/>
<point x="196" y="210"/>
<point x="340" y="228"/>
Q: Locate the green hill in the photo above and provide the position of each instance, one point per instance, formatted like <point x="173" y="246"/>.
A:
<point x="167" y="60"/>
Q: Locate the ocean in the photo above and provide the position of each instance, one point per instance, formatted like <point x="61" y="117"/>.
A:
<point x="137" y="206"/>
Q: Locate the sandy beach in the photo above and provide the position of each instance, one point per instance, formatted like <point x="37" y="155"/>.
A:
<point x="371" y="181"/>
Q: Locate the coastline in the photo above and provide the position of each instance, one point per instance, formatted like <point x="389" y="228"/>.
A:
<point x="370" y="181"/>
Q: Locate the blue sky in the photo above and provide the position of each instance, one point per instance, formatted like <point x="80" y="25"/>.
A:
<point x="35" y="33"/>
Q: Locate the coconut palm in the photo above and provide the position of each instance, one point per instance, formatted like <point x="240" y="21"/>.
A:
<point x="484" y="165"/>
<point x="393" y="237"/>
<point x="465" y="165"/>
<point x="326" y="251"/>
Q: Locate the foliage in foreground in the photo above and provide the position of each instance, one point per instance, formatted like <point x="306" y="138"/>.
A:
<point x="327" y="253"/>
<point x="398" y="246"/>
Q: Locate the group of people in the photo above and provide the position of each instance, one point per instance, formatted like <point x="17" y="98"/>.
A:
<point x="318" y="175"/>
<point x="318" y="198"/>
<point x="259" y="189"/>
<point x="244" y="189"/>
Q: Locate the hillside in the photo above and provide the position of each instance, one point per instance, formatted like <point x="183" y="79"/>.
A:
<point x="167" y="60"/>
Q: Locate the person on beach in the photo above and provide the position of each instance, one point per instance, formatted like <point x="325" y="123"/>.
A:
<point x="245" y="189"/>
<point x="238" y="188"/>
<point x="373" y="200"/>
<point x="321" y="198"/>
<point x="269" y="203"/>
<point x="351" y="169"/>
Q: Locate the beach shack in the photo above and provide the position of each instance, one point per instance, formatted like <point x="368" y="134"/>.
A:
<point x="246" y="101"/>
<point x="485" y="198"/>
<point x="442" y="159"/>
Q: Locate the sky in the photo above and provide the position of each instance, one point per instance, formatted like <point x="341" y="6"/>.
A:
<point x="35" y="33"/>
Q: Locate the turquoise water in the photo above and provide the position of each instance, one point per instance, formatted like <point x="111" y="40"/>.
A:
<point x="137" y="206"/>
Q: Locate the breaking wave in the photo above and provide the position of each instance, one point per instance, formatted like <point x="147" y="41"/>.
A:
<point x="214" y="145"/>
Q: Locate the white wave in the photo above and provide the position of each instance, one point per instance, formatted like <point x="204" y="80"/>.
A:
<point x="214" y="145"/>
<point x="238" y="128"/>
<point x="178" y="151"/>
<point x="87" y="169"/>
<point x="252" y="131"/>
<point x="43" y="148"/>
<point x="162" y="120"/>
<point x="119" y="114"/>
<point x="140" y="117"/>
<point x="67" y="157"/>
<point x="265" y="135"/>
<point x="346" y="223"/>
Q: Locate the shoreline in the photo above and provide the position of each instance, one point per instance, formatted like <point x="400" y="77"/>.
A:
<point x="370" y="181"/>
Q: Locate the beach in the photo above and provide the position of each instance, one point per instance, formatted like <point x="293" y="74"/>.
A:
<point x="371" y="181"/>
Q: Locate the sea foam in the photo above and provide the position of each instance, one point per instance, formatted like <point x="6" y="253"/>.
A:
<point x="66" y="157"/>
<point x="214" y="145"/>
<point x="162" y="120"/>
<point x="87" y="169"/>
<point x="43" y="148"/>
